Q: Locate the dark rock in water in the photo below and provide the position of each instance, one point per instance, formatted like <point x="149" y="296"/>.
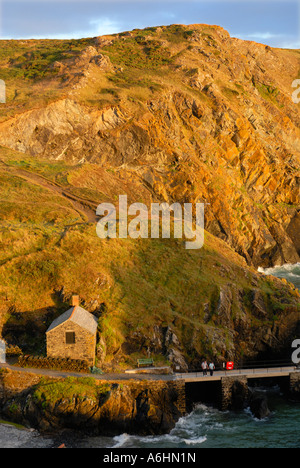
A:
<point x="259" y="406"/>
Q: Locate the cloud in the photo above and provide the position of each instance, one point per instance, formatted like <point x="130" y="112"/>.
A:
<point x="265" y="35"/>
<point x="291" y="45"/>
<point x="284" y="41"/>
<point x="104" y="26"/>
<point x="66" y="19"/>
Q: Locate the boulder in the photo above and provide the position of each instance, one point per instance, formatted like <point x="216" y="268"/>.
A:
<point x="259" y="406"/>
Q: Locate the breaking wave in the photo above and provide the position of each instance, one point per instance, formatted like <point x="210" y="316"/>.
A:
<point x="291" y="272"/>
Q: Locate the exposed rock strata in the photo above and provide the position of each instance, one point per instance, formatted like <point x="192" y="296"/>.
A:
<point x="233" y="143"/>
<point x="136" y="407"/>
<point x="217" y="126"/>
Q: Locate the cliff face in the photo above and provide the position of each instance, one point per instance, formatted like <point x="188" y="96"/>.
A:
<point x="187" y="113"/>
<point x="100" y="408"/>
<point x="175" y="114"/>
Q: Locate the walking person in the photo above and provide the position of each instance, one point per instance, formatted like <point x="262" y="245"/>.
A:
<point x="211" y="368"/>
<point x="204" y="367"/>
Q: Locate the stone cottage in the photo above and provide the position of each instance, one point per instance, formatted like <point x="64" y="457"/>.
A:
<point x="73" y="334"/>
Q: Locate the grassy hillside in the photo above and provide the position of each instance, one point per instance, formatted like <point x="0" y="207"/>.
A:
<point x="183" y="113"/>
<point x="139" y="289"/>
<point x="174" y="114"/>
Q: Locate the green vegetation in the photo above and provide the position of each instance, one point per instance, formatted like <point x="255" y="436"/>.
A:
<point x="229" y="92"/>
<point x="140" y="283"/>
<point x="160" y="82"/>
<point x="268" y="92"/>
<point x="17" y="426"/>
<point x="137" y="52"/>
<point x="31" y="80"/>
<point x="27" y="62"/>
<point x="50" y="392"/>
<point x="57" y="171"/>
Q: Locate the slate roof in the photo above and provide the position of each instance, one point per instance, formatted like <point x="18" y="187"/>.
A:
<point x="77" y="315"/>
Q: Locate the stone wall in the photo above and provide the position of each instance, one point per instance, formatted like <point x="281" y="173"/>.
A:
<point x="294" y="389"/>
<point x="179" y="388"/>
<point x="83" y="349"/>
<point x="234" y="392"/>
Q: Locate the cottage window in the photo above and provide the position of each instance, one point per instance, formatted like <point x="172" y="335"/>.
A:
<point x="70" y="337"/>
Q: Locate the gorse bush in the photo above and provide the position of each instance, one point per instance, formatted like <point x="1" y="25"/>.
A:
<point x="139" y="53"/>
<point x="36" y="63"/>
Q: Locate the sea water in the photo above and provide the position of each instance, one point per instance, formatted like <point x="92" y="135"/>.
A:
<point x="291" y="272"/>
<point x="204" y="427"/>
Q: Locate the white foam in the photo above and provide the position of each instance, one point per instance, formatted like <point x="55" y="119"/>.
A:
<point x="200" y="440"/>
<point x="288" y="267"/>
<point x="121" y="440"/>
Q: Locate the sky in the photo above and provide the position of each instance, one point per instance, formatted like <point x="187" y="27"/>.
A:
<point x="272" y="22"/>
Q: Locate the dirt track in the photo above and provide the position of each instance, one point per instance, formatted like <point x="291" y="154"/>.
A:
<point x="85" y="208"/>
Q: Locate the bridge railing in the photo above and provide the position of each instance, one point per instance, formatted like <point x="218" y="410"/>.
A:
<point x="254" y="367"/>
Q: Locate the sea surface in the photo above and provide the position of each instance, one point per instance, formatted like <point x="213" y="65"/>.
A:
<point x="290" y="272"/>
<point x="205" y="427"/>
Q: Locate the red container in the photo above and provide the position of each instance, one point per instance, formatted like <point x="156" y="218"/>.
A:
<point x="229" y="365"/>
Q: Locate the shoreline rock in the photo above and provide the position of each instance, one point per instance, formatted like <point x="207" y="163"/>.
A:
<point x="259" y="406"/>
<point x="89" y="405"/>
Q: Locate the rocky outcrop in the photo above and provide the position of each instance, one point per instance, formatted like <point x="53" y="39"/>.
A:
<point x="259" y="406"/>
<point x="225" y="131"/>
<point x="241" y="324"/>
<point x="217" y="126"/>
<point x="160" y="340"/>
<point x="100" y="408"/>
<point x="174" y="351"/>
<point x="237" y="396"/>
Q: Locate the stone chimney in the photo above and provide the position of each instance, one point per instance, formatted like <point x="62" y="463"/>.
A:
<point x="75" y="301"/>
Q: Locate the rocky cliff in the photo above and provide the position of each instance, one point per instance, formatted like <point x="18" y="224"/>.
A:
<point x="88" y="405"/>
<point x="179" y="113"/>
<point x="187" y="112"/>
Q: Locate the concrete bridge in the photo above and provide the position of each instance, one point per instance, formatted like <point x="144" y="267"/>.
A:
<point x="254" y="373"/>
<point x="225" y="387"/>
<point x="218" y="390"/>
